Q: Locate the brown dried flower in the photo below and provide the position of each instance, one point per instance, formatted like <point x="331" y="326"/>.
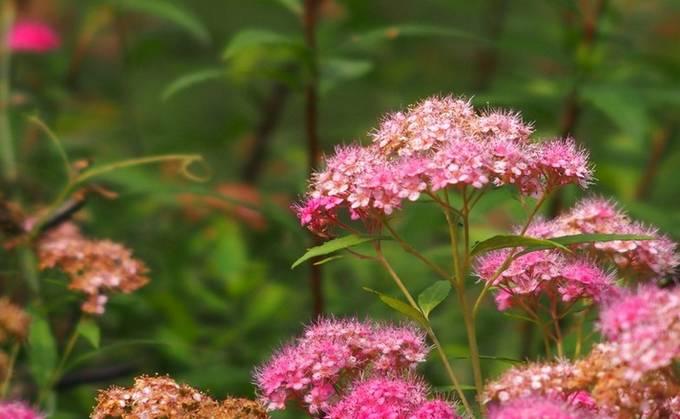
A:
<point x="96" y="267"/>
<point x="162" y="397"/>
<point x="14" y="321"/>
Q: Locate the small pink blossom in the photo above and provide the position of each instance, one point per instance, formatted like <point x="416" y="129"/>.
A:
<point x="435" y="409"/>
<point x="36" y="37"/>
<point x="563" y="162"/>
<point x="18" y="410"/>
<point x="538" y="408"/>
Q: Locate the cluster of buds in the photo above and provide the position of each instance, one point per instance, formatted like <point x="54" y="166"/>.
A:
<point x="440" y="142"/>
<point x="317" y="368"/>
<point x="162" y="397"/>
<point x="95" y="267"/>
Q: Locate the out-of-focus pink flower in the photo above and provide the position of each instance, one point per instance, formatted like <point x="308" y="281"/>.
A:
<point x="32" y="36"/>
<point x="330" y="354"/>
<point x="643" y="329"/>
<point x="18" y="410"/>
<point x="538" y="408"/>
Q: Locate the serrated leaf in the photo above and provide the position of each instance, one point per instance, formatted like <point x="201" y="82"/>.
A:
<point x="170" y="12"/>
<point x="248" y="39"/>
<point x="432" y="296"/>
<point x="89" y="330"/>
<point x="401" y="307"/>
<point x="191" y="79"/>
<point x="333" y="246"/>
<point x="42" y="350"/>
<point x="504" y="241"/>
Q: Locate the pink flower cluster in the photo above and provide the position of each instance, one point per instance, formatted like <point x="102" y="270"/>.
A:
<point x="643" y="330"/>
<point x="331" y="353"/>
<point x="18" y="410"/>
<point x="439" y="142"/>
<point x="539" y="408"/>
<point x="646" y="258"/>
<point x="36" y="37"/>
<point x="543" y="272"/>
<point x="395" y="398"/>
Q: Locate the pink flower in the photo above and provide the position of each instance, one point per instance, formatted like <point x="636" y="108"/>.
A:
<point x="37" y="37"/>
<point x="393" y="398"/>
<point x="331" y="353"/>
<point x="544" y="272"/>
<point x="18" y="410"/>
<point x="643" y="329"/>
<point x="645" y="258"/>
<point x="563" y="162"/>
<point x="538" y="408"/>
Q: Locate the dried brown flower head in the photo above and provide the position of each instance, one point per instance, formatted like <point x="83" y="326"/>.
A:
<point x="655" y="395"/>
<point x="162" y="397"/>
<point x="14" y="321"/>
<point x="96" y="267"/>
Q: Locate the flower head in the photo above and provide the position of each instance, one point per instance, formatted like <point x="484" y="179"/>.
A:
<point x="538" y="408"/>
<point x="334" y="351"/>
<point x="36" y="37"/>
<point x="563" y="162"/>
<point x="14" y="321"/>
<point x="18" y="410"/>
<point x="96" y="267"/>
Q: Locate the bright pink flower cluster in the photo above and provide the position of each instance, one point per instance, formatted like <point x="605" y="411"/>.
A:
<point x="539" y="408"/>
<point x="643" y="328"/>
<point x="543" y="272"/>
<point x="36" y="37"/>
<point x="333" y="352"/>
<point x="438" y="143"/>
<point x="647" y="258"/>
<point x="394" y="398"/>
<point x="18" y="410"/>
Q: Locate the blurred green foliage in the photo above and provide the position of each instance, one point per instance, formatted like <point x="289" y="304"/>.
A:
<point x="138" y="78"/>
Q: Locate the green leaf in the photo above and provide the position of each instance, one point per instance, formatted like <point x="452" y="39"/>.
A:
<point x="334" y="71"/>
<point x="504" y="241"/>
<point x="170" y="12"/>
<point x="448" y="389"/>
<point x="333" y="246"/>
<point x="88" y="329"/>
<point x="328" y="259"/>
<point x="432" y="296"/>
<point x="587" y="238"/>
<point x="295" y="6"/>
<point x="42" y="350"/>
<point x="625" y="107"/>
<point x="249" y="39"/>
<point x="401" y="307"/>
<point x="191" y="79"/>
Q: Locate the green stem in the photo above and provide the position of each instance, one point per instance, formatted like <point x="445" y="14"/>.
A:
<point x="458" y="282"/>
<point x="9" y="169"/>
<point x="10" y="370"/>
<point x="58" y="371"/>
<point x="440" y="350"/>
<point x="410" y="249"/>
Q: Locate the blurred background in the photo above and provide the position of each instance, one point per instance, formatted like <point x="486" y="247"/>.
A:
<point x="260" y="88"/>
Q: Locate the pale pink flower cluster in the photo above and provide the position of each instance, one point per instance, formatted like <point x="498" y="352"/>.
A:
<point x="535" y="379"/>
<point x="35" y="37"/>
<point x="539" y="408"/>
<point x="543" y="272"/>
<point x="18" y="410"/>
<point x="394" y="398"/>
<point x="333" y="352"/>
<point x="438" y="143"/>
<point x="646" y="258"/>
<point x="643" y="330"/>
